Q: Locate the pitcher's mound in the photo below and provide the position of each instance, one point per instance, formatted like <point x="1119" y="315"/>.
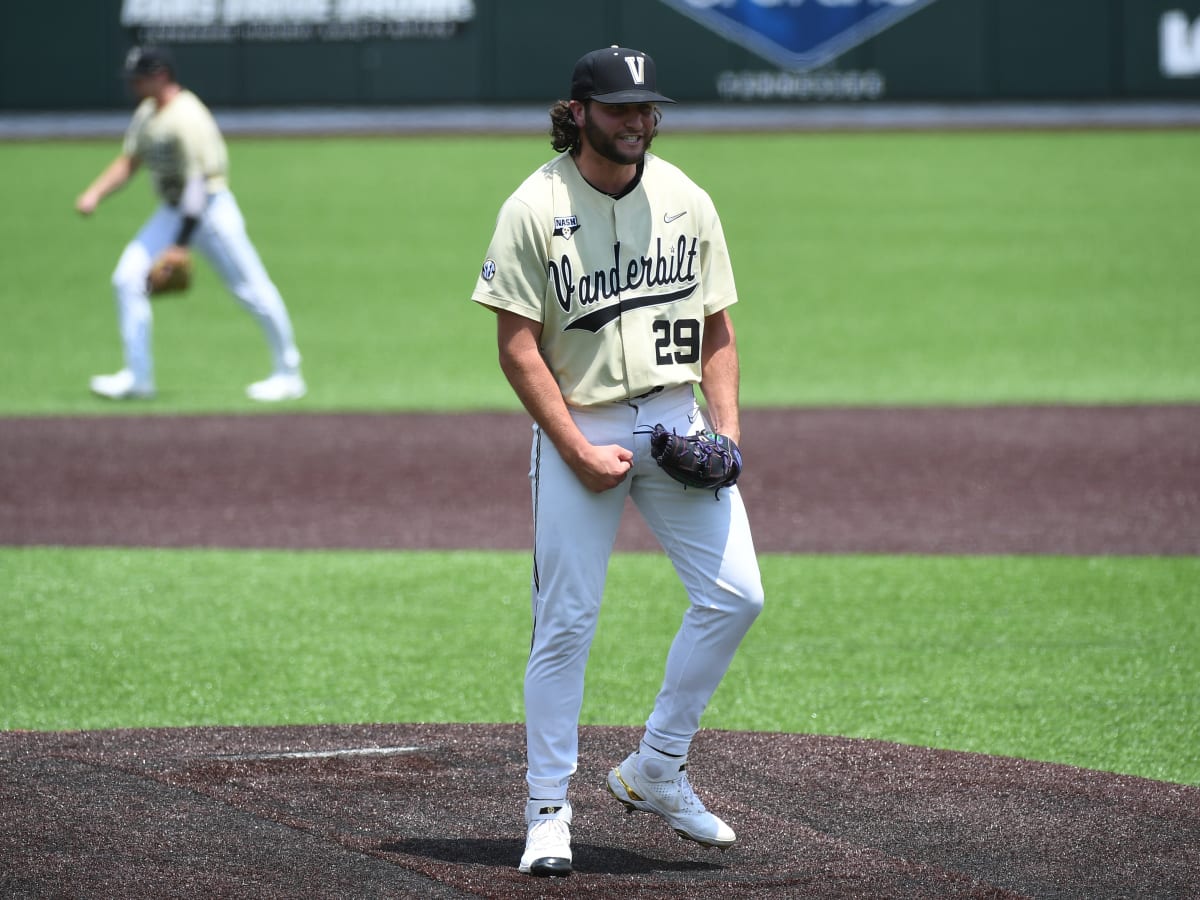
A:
<point x="436" y="811"/>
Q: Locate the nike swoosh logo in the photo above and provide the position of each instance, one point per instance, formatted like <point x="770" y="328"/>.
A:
<point x="670" y="219"/>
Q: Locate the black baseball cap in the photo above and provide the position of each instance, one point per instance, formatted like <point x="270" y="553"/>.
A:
<point x="616" y="75"/>
<point x="147" y="61"/>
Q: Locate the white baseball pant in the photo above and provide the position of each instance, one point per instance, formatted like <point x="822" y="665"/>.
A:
<point x="707" y="539"/>
<point x="221" y="237"/>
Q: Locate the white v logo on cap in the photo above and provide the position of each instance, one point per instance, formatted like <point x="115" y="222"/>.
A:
<point x="637" y="68"/>
<point x="617" y="75"/>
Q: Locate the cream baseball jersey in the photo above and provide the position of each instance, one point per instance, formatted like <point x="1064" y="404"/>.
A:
<point x="177" y="142"/>
<point x="621" y="286"/>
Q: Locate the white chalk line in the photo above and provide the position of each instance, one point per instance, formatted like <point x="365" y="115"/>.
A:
<point x="324" y="754"/>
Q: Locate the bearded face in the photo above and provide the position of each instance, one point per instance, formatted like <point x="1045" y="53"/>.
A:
<point x="620" y="132"/>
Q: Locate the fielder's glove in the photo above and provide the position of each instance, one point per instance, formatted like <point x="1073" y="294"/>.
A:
<point x="171" y="272"/>
<point x="703" y="460"/>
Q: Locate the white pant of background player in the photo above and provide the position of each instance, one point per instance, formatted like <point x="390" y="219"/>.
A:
<point x="221" y="237"/>
<point x="708" y="541"/>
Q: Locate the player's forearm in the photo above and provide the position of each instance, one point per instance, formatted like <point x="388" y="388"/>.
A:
<point x="114" y="176"/>
<point x="534" y="385"/>
<point x="191" y="207"/>
<point x="721" y="376"/>
<point x="525" y="368"/>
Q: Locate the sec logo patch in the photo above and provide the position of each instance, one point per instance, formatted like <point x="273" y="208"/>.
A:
<point x="489" y="269"/>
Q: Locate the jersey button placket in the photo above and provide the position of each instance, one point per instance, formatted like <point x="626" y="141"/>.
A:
<point x="623" y="223"/>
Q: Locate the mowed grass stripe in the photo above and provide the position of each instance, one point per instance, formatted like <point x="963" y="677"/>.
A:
<point x="1087" y="661"/>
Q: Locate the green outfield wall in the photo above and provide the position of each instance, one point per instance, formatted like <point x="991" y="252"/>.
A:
<point x="66" y="54"/>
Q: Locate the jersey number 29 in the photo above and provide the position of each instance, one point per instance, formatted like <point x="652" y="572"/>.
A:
<point x="677" y="342"/>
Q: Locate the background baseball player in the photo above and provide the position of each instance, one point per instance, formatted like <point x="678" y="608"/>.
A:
<point x="175" y="136"/>
<point x="611" y="282"/>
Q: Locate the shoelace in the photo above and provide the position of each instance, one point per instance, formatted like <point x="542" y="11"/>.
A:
<point x="549" y="834"/>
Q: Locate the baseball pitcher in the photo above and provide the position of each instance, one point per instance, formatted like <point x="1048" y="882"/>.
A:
<point x="611" y="283"/>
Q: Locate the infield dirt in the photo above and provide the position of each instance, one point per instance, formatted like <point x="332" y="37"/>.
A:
<point x="1041" y="480"/>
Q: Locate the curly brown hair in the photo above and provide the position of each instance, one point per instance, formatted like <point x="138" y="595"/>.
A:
<point x="564" y="133"/>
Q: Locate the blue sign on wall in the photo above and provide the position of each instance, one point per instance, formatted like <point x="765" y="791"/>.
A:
<point x="797" y="34"/>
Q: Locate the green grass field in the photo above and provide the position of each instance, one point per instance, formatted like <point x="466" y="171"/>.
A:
<point x="874" y="269"/>
<point x="1094" y="662"/>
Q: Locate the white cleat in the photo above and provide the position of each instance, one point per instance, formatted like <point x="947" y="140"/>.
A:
<point x="121" y="386"/>
<point x="661" y="786"/>
<point x="280" y="386"/>
<point x="547" y="839"/>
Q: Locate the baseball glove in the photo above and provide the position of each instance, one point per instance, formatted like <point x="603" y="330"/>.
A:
<point x="171" y="272"/>
<point x="703" y="460"/>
